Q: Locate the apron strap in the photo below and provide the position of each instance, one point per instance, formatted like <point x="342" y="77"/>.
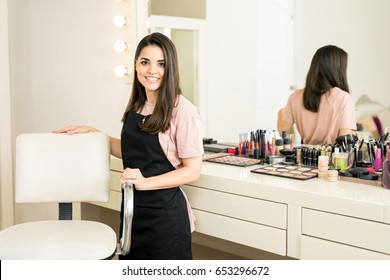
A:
<point x="191" y="214"/>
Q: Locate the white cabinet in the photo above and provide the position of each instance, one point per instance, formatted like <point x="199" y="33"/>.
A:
<point x="253" y="222"/>
<point x="320" y="249"/>
<point x="332" y="236"/>
<point x="115" y="187"/>
<point x="304" y="220"/>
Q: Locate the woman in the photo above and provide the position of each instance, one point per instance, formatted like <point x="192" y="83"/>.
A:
<point x="161" y="149"/>
<point x="324" y="109"/>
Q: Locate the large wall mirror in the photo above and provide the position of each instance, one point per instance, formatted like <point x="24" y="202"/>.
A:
<point x="258" y="51"/>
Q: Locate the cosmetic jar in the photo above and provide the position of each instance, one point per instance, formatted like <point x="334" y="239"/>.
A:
<point x="341" y="161"/>
<point x="276" y="159"/>
<point x="333" y="175"/>
<point x="323" y="166"/>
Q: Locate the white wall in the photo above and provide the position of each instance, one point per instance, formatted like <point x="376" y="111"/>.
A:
<point x="6" y="174"/>
<point x="62" y="64"/>
<point x="231" y="68"/>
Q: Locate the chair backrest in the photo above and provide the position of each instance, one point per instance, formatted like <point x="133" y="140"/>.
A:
<point x="62" y="168"/>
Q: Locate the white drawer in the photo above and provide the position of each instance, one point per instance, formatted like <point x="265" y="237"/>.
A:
<point x="250" y="234"/>
<point x="116" y="164"/>
<point x="347" y="230"/>
<point x="115" y="182"/>
<point x="387" y="214"/>
<point x="245" y="208"/>
<point x="114" y="203"/>
<point x="319" y="249"/>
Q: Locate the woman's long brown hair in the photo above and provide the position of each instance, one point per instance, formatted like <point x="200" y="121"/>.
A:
<point x="328" y="69"/>
<point x="168" y="92"/>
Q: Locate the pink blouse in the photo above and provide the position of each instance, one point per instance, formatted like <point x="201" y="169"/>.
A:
<point x="336" y="111"/>
<point x="184" y="137"/>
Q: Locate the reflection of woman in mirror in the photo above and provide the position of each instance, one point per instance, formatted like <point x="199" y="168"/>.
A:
<point x="324" y="109"/>
<point x="161" y="149"/>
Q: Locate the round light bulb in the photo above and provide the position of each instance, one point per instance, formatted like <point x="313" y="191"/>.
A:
<point x="121" y="71"/>
<point x="120" y="21"/>
<point x="120" y="46"/>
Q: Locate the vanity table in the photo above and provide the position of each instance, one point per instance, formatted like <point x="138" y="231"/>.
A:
<point x="311" y="219"/>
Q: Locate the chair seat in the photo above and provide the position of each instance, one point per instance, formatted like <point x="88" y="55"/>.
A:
<point x="58" y="240"/>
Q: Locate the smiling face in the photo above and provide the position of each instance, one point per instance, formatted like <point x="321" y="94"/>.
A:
<point x="150" y="67"/>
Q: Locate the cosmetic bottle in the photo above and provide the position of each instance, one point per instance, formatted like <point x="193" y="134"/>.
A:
<point x="244" y="143"/>
<point x="385" y="180"/>
<point x="286" y="143"/>
<point x="314" y="157"/>
<point x="378" y="159"/>
<point x="251" y="144"/>
<point x="273" y="146"/>
<point x="263" y="146"/>
<point x="341" y="161"/>
<point x="298" y="156"/>
<point x="328" y="153"/>
<point x="335" y="154"/>
<point x="309" y="155"/>
<point x="304" y="155"/>
<point x="279" y="146"/>
<point x="240" y="143"/>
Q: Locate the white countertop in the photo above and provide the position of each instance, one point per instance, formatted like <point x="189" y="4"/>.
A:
<point x="342" y="197"/>
<point x="352" y="199"/>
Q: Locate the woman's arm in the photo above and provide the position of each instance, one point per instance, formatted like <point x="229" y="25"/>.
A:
<point x="281" y="125"/>
<point x="116" y="149"/>
<point x="115" y="143"/>
<point x="188" y="173"/>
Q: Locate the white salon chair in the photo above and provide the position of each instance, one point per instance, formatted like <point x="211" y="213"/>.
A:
<point x="60" y="168"/>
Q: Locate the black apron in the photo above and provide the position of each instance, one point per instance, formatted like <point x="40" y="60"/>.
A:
<point x="161" y="227"/>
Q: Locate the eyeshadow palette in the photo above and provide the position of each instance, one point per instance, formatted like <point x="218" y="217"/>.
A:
<point x="288" y="171"/>
<point x="235" y="160"/>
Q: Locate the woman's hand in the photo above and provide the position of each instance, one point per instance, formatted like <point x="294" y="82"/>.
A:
<point x="135" y="177"/>
<point x="74" y="129"/>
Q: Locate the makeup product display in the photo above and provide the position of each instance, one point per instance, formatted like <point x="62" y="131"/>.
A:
<point x="328" y="161"/>
<point x="288" y="171"/>
<point x="261" y="143"/>
<point x="235" y="160"/>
